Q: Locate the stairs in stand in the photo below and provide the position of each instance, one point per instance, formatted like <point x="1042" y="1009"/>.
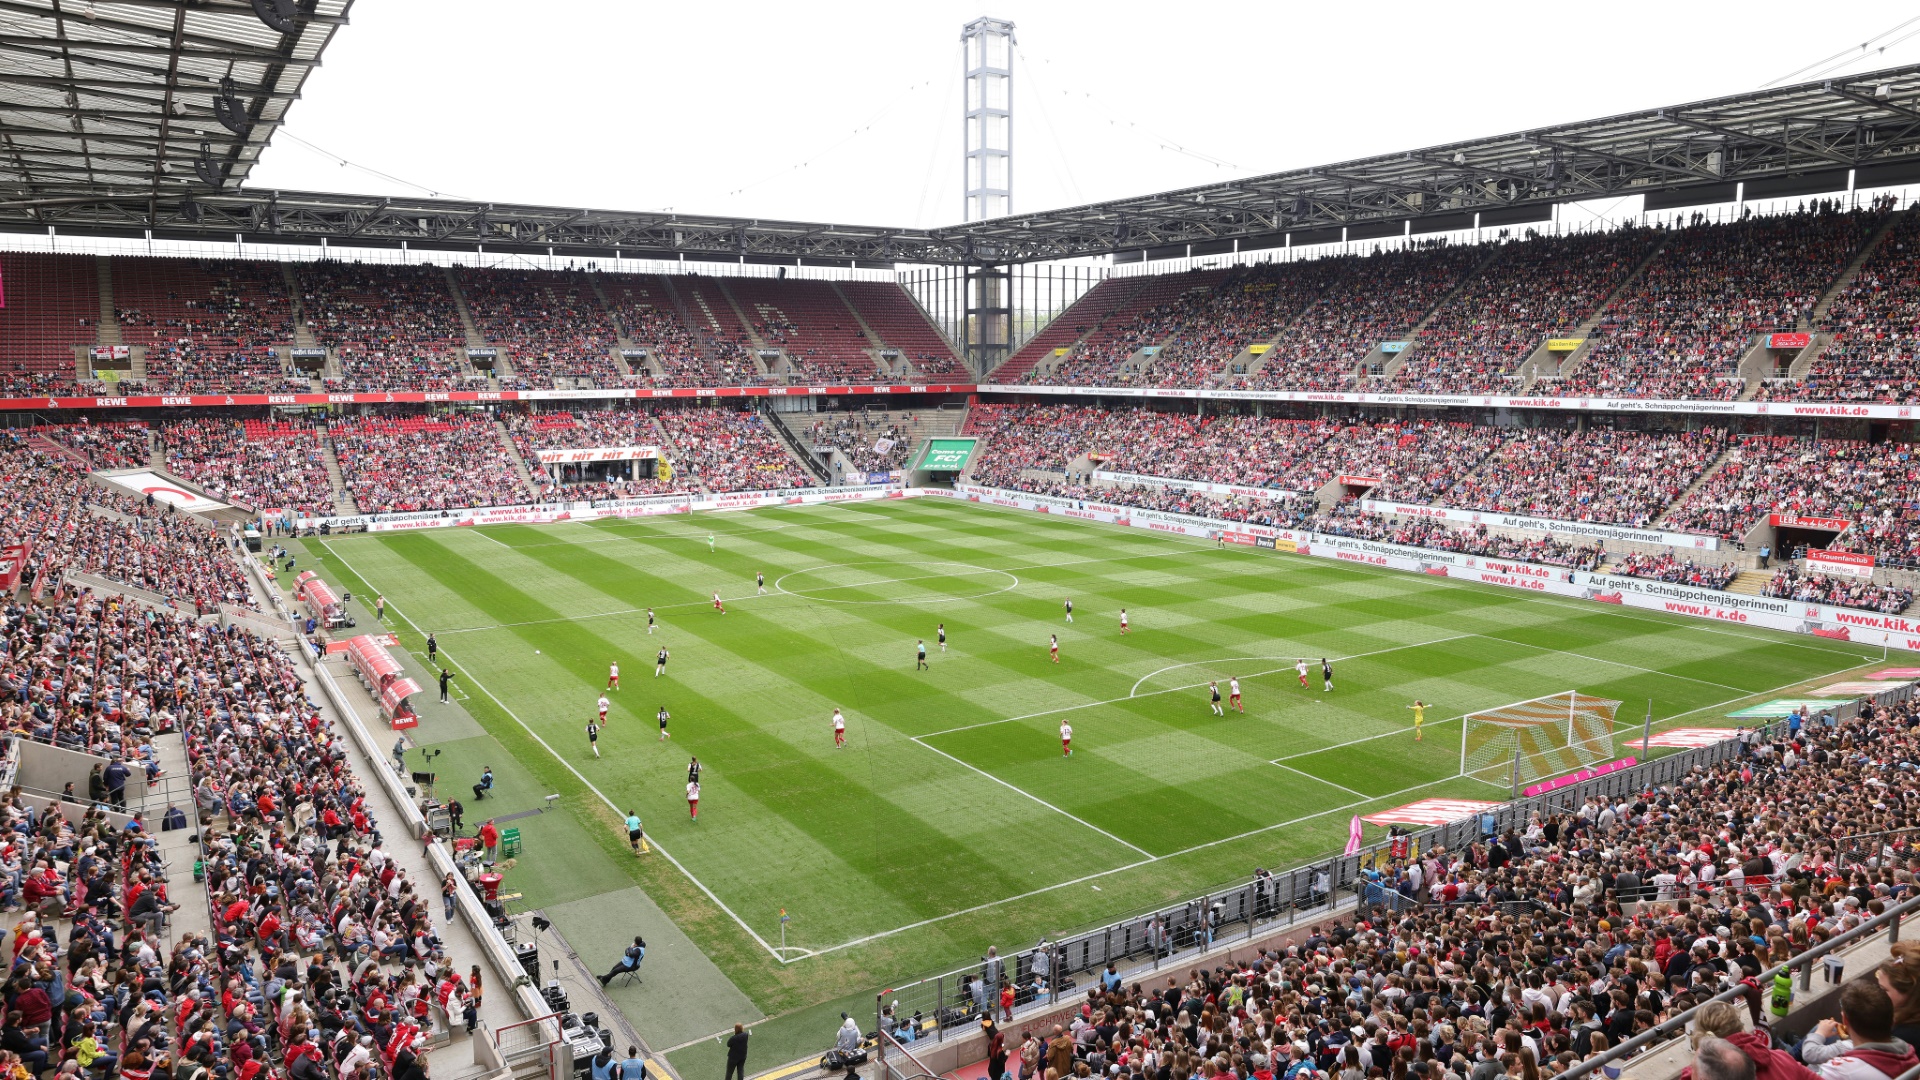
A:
<point x="342" y="502"/>
<point x="1750" y="582"/>
<point x="519" y="463"/>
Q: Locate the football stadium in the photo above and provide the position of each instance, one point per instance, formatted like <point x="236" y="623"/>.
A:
<point x="1437" y="612"/>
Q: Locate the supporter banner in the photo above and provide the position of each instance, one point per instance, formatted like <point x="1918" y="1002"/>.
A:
<point x="596" y="453"/>
<point x="1260" y="349"/>
<point x="1896" y="673"/>
<point x="307" y="353"/>
<point x="1361" y="481"/>
<point x="13" y="560"/>
<point x="109" y="352"/>
<point x="148" y="401"/>
<point x="1430" y="812"/>
<point x="879" y="478"/>
<point x="1794" y="521"/>
<point x="633" y="354"/>
<point x="163" y="490"/>
<point x="1565" y="344"/>
<point x="1789" y="341"/>
<point x="1391" y="347"/>
<point x="1240" y="490"/>
<point x="947" y="455"/>
<point x="1583" y="775"/>
<point x="1848" y="563"/>
<point x="477" y="353"/>
<point x="1598" y="530"/>
<point x="1691" y="738"/>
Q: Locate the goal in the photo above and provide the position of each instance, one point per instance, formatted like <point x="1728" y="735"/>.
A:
<point x="1532" y="740"/>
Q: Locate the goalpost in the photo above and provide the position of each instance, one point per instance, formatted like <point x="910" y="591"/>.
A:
<point x="1532" y="740"/>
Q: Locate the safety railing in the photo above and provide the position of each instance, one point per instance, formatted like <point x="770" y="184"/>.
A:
<point x="538" y="1042"/>
<point x="1799" y="967"/>
<point x="1243" y="911"/>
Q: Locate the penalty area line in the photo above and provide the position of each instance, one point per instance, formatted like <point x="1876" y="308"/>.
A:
<point x="1151" y="857"/>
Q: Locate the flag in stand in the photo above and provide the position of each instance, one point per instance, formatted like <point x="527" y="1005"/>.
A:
<point x="1353" y="836"/>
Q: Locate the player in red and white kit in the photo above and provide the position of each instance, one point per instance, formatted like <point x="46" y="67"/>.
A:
<point x="603" y="710"/>
<point x="1123" y="621"/>
<point x="693" y="800"/>
<point x="1233" y="694"/>
<point x="717" y="605"/>
<point x="1066" y="739"/>
<point x="1053" y="646"/>
<point x="839" y="728"/>
<point x="613" y="676"/>
<point x="1301" y="667"/>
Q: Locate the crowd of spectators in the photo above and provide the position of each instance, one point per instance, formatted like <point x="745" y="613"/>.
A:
<point x="322" y="959"/>
<point x="871" y="441"/>
<point x="264" y="465"/>
<point x="1876" y="486"/>
<point x="75" y="525"/>
<point x="1379" y="298"/>
<point x="1681" y="329"/>
<point x="1838" y="591"/>
<point x="728" y="449"/>
<point x="615" y="428"/>
<point x="1161" y="305"/>
<point x="208" y="325"/>
<point x="1669" y="567"/>
<point x="402" y="464"/>
<point x="646" y="316"/>
<point x="1599" y="474"/>
<point x="1537" y="288"/>
<point x="111" y="445"/>
<point x="1250" y="307"/>
<point x="1875" y="323"/>
<point x="392" y="327"/>
<point x="1529" y="950"/>
<point x="551" y="326"/>
<point x="1348" y="519"/>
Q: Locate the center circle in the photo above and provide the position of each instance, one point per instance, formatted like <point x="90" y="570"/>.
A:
<point x="893" y="581"/>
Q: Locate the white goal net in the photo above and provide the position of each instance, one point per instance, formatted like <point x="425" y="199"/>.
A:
<point x="1533" y="740"/>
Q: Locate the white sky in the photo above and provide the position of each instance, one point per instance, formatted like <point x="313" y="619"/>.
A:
<point x="851" y="111"/>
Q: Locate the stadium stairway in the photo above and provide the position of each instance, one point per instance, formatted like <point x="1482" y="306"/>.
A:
<point x="109" y="319"/>
<point x="1067" y="329"/>
<point x="1586" y="329"/>
<point x="672" y="452"/>
<point x="858" y="319"/>
<point x="1713" y="467"/>
<point x="1852" y="269"/>
<point x="475" y="339"/>
<point x="796" y="449"/>
<point x="1750" y="582"/>
<point x="1393" y="364"/>
<point x="519" y="463"/>
<point x="342" y="502"/>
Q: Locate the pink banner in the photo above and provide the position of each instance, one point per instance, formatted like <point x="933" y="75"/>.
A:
<point x="1573" y="778"/>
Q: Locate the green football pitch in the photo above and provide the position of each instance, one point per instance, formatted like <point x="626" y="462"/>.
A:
<point x="951" y="819"/>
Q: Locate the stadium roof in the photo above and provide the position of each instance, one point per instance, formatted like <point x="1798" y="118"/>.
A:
<point x="114" y="99"/>
<point x="92" y="102"/>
